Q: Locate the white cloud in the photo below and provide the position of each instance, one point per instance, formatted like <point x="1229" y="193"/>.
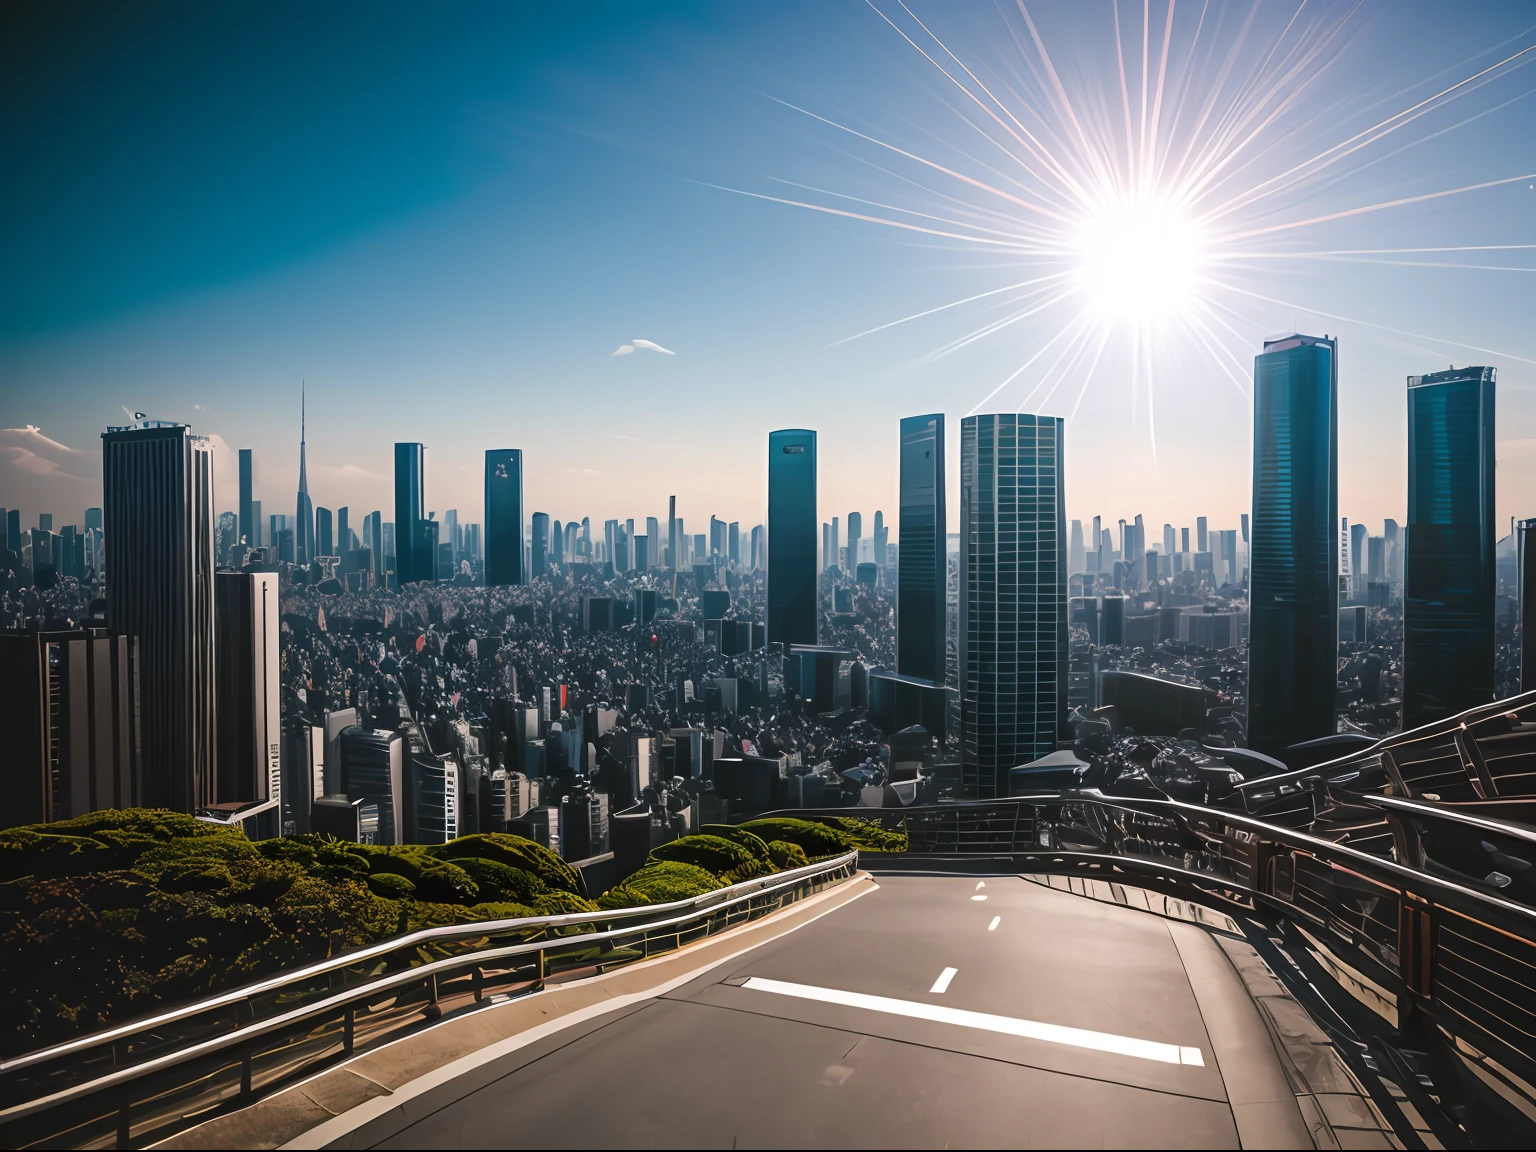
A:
<point x="647" y="345"/>
<point x="38" y="474"/>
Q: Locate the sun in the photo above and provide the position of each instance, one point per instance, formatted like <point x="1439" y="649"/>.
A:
<point x="1138" y="259"/>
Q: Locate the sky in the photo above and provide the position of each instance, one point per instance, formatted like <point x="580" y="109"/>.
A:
<point x="443" y="221"/>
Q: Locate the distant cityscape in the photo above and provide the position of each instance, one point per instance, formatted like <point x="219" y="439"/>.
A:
<point x="601" y="686"/>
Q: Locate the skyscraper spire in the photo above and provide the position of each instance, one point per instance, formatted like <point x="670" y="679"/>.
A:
<point x="304" y="529"/>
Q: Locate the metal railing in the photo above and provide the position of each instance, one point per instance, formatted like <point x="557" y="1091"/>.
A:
<point x="133" y="1084"/>
<point x="1435" y="925"/>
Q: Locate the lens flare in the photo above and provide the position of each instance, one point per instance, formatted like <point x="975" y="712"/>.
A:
<point x="1138" y="260"/>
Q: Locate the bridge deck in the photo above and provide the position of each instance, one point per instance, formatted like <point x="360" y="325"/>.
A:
<point x="920" y="1015"/>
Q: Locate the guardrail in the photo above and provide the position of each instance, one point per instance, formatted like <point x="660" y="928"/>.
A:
<point x="1412" y="929"/>
<point x="138" y="1083"/>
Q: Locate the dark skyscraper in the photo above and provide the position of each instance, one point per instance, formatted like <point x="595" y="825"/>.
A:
<point x="157" y="487"/>
<point x="249" y="701"/>
<point x="1525" y="558"/>
<point x="1450" y="579"/>
<point x="1294" y="561"/>
<point x="539" y="548"/>
<point x="325" y="537"/>
<point x="412" y="559"/>
<point x="504" y="516"/>
<point x="304" y="529"/>
<point x="1013" y="596"/>
<point x="343" y="532"/>
<point x="247" y="528"/>
<point x="792" y="537"/>
<point x="855" y="534"/>
<point x="921" y="582"/>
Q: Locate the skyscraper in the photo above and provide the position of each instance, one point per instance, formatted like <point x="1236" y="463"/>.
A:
<point x="1013" y="596"/>
<point x="325" y="536"/>
<point x="733" y="542"/>
<point x="674" y="530"/>
<point x="157" y="487"/>
<point x="373" y="540"/>
<point x="920" y="566"/>
<point x="412" y="559"/>
<point x="882" y="539"/>
<point x="1525" y="559"/>
<point x="304" y="530"/>
<point x="792" y="610"/>
<point x="249" y="704"/>
<point x="247" y="528"/>
<point x="343" y="532"/>
<point x="504" y="516"/>
<point x="1294" y="563"/>
<point x="1077" y="554"/>
<point x="1450" y="578"/>
<point x="855" y="534"/>
<point x="539" y="546"/>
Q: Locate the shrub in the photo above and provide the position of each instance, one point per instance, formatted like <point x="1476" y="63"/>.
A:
<point x="714" y="854"/>
<point x="660" y="882"/>
<point x="813" y="839"/>
<point x="871" y="836"/>
<point x="390" y="885"/>
<point x="515" y="852"/>
<point x="738" y="835"/>
<point x="557" y="903"/>
<point x="446" y="883"/>
<point x="786" y="855"/>
<point x="498" y="881"/>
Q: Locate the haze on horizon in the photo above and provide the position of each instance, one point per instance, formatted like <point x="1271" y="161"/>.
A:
<point x="452" y="229"/>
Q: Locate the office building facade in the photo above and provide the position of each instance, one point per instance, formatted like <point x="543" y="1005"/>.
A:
<point x="1294" y="557"/>
<point x="792" y="609"/>
<point x="1450" y="579"/>
<point x="373" y="773"/>
<point x="415" y="557"/>
<point x="1013" y="596"/>
<point x="504" y="516"/>
<point x="921" y="576"/>
<point x="249" y="702"/>
<point x="157" y="515"/>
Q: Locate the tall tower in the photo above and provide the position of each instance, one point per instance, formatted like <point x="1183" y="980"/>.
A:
<point x="1294" y="562"/>
<point x="1013" y="596"/>
<point x="921" y="578"/>
<point x="157" y="517"/>
<point x="246" y="527"/>
<point x="504" y="516"/>
<point x="855" y="534"/>
<point x="792" y="612"/>
<point x="1450" y="579"/>
<point x="413" y="561"/>
<point x="304" y="531"/>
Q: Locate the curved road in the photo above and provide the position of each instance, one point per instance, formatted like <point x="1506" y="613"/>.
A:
<point x="935" y="1011"/>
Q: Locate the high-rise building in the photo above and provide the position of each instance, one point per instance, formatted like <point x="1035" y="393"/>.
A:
<point x="13" y="530"/>
<point x="855" y="536"/>
<point x="248" y="701"/>
<point x="1077" y="552"/>
<point x="717" y="541"/>
<point x="247" y="527"/>
<point x="1525" y="558"/>
<point x="1294" y="563"/>
<point x="792" y="612"/>
<point x="343" y="533"/>
<point x="674" y="530"/>
<point x="1450" y="580"/>
<point x="304" y="527"/>
<point x="325" y="536"/>
<point x="733" y="542"/>
<point x="373" y="540"/>
<point x="414" y="560"/>
<point x="157" y="486"/>
<point x="538" y="560"/>
<point x="923" y="522"/>
<point x="69" y="707"/>
<point x="836" y="559"/>
<point x="1013" y="596"/>
<point x="759" y="554"/>
<point x="259" y="540"/>
<point x="504" y="517"/>
<point x="882" y="539"/>
<point x="433" y="810"/>
<point x="373" y="772"/>
<point x="1358" y="533"/>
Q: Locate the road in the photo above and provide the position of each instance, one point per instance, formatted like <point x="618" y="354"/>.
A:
<point x="936" y="1011"/>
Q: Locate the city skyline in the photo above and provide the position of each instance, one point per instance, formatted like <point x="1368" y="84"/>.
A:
<point x="227" y="350"/>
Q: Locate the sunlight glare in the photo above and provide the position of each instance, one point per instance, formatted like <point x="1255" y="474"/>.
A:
<point x="1138" y="259"/>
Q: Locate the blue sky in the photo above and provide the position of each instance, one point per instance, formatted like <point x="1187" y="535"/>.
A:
<point x="446" y="218"/>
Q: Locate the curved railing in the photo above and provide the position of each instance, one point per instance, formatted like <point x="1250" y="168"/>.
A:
<point x="139" y="1082"/>
<point x="1430" y="920"/>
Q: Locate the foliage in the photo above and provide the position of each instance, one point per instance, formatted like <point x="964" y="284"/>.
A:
<point x="498" y="881"/>
<point x="661" y="882"/>
<point x="725" y="858"/>
<point x="515" y="852"/>
<point x="736" y="834"/>
<point x="830" y="837"/>
<point x="786" y="856"/>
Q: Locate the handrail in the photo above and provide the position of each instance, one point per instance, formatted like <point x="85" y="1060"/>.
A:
<point x="617" y="937"/>
<point x="415" y="939"/>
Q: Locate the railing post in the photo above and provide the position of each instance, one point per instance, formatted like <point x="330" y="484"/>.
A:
<point x="1415" y="944"/>
<point x="245" y="1072"/>
<point x="479" y="982"/>
<point x="349" y="1029"/>
<point x="538" y="985"/>
<point x="124" y="1118"/>
<point x="433" y="1009"/>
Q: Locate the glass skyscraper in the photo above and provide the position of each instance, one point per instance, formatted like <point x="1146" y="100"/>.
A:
<point x="157" y="505"/>
<point x="504" y="516"/>
<point x="1449" y="581"/>
<point x="413" y="560"/>
<point x="921" y="582"/>
<point x="1294" y="558"/>
<point x="1013" y="596"/>
<point x="792" y="536"/>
